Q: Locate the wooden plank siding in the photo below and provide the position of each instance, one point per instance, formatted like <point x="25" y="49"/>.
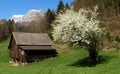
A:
<point x="14" y="53"/>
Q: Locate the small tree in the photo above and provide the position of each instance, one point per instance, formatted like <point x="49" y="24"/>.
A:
<point x="50" y="16"/>
<point x="67" y="6"/>
<point x="11" y="25"/>
<point x="60" y="6"/>
<point x="77" y="27"/>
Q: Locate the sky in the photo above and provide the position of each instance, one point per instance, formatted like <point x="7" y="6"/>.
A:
<point x="21" y="7"/>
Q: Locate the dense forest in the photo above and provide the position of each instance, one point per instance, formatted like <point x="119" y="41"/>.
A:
<point x="109" y="12"/>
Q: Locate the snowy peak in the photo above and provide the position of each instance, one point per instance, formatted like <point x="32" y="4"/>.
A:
<point x="17" y="18"/>
<point x="31" y="15"/>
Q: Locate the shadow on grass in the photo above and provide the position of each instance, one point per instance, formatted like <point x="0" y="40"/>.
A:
<point x="87" y="62"/>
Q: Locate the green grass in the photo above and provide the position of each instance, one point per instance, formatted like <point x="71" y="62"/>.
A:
<point x="70" y="60"/>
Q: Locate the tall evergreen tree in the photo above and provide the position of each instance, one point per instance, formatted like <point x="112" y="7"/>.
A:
<point x="50" y="16"/>
<point x="67" y="6"/>
<point x="60" y="6"/>
<point x="10" y="23"/>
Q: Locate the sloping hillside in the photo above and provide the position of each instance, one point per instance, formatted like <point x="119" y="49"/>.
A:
<point x="70" y="60"/>
<point x="109" y="12"/>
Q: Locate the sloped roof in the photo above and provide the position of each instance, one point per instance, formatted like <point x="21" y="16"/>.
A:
<point x="32" y="38"/>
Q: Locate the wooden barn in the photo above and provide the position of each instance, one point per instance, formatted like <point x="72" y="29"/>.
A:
<point x="30" y="47"/>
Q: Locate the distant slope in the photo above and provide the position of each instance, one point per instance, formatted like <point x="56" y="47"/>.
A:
<point x="109" y="12"/>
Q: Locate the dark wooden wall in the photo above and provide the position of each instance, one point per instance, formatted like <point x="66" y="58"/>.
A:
<point x="14" y="49"/>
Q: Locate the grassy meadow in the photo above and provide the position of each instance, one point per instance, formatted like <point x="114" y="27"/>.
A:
<point x="70" y="60"/>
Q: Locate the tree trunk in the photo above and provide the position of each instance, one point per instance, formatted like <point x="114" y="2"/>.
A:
<point x="117" y="9"/>
<point x="93" y="54"/>
<point x="93" y="50"/>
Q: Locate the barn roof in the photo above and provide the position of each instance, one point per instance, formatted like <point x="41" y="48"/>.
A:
<point x="32" y="38"/>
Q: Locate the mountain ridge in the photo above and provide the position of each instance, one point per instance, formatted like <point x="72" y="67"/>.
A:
<point x="31" y="15"/>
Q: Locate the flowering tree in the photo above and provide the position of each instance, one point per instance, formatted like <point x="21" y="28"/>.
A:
<point x="76" y="27"/>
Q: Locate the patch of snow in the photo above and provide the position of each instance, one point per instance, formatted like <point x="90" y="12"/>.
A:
<point x="31" y="15"/>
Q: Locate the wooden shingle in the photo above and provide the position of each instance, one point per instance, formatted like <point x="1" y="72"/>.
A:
<point x="32" y="39"/>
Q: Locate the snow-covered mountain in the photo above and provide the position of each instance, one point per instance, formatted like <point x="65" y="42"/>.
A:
<point x="31" y="15"/>
<point x="17" y="18"/>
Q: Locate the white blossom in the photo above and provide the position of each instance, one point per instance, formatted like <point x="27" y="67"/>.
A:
<point x="76" y="26"/>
